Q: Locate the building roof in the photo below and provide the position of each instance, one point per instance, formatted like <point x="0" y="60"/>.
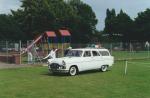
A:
<point x="64" y="33"/>
<point x="50" y="34"/>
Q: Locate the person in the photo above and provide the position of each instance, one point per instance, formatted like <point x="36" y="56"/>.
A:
<point x="67" y="50"/>
<point x="98" y="45"/>
<point x="52" y="54"/>
<point x="30" y="57"/>
<point x="147" y="44"/>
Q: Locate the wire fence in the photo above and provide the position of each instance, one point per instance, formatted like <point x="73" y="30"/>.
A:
<point x="11" y="51"/>
<point x="140" y="66"/>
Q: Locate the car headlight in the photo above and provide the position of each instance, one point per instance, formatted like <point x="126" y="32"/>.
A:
<point x="63" y="63"/>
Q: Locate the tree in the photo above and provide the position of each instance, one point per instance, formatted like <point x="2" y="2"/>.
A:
<point x="142" y="25"/>
<point x="36" y="16"/>
<point x="124" y="26"/>
<point x="118" y="27"/>
<point x="110" y="23"/>
<point x="84" y="25"/>
<point x="9" y="29"/>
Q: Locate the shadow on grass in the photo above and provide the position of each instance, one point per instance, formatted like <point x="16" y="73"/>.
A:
<point x="55" y="74"/>
<point x="79" y="74"/>
<point x="92" y="72"/>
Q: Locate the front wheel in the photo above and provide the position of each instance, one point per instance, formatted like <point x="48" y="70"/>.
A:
<point x="104" y="68"/>
<point x="73" y="71"/>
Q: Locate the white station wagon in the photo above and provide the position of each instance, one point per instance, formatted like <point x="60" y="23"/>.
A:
<point x="84" y="59"/>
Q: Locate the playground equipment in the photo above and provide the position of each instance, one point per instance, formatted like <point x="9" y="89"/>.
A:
<point x="60" y="39"/>
<point x="65" y="39"/>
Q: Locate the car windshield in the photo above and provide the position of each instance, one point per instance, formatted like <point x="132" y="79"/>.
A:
<point x="74" y="53"/>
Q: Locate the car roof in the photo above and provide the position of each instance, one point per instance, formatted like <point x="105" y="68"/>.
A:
<point x="83" y="49"/>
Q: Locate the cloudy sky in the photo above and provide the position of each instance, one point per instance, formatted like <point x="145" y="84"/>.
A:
<point x="131" y="7"/>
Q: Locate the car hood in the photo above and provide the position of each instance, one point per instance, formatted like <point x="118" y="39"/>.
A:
<point x="67" y="60"/>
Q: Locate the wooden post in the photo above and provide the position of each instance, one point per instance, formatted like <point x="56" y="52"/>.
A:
<point x="7" y="50"/>
<point x="20" y="51"/>
<point x="126" y="67"/>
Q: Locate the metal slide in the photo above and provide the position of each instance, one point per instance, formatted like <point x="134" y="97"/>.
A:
<point x="34" y="42"/>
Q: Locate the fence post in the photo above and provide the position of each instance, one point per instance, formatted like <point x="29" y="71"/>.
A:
<point x="130" y="50"/>
<point x="148" y="51"/>
<point x="20" y="51"/>
<point x="62" y="49"/>
<point x="111" y="47"/>
<point x="7" y="50"/>
<point x="126" y="67"/>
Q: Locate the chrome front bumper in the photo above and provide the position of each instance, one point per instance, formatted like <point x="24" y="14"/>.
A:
<point x="59" y="71"/>
<point x="57" y="68"/>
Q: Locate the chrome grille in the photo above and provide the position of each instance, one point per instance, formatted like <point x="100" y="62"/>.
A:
<point x="54" y="66"/>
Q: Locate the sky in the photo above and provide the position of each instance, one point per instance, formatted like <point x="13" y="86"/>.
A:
<point x="6" y="5"/>
<point x="131" y="7"/>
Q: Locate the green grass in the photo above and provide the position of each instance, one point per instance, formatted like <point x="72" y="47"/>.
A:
<point x="130" y="55"/>
<point x="37" y="82"/>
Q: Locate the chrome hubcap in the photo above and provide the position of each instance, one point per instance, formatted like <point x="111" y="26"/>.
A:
<point x="72" y="71"/>
<point x="104" y="68"/>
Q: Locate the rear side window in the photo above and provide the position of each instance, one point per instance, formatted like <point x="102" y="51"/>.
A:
<point x="104" y="53"/>
<point x="95" y="53"/>
<point x="87" y="54"/>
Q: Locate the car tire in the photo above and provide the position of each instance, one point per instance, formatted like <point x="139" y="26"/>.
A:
<point x="104" y="68"/>
<point x="54" y="73"/>
<point x="73" y="71"/>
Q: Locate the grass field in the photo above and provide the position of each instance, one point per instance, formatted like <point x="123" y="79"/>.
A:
<point x="130" y="55"/>
<point x="37" y="82"/>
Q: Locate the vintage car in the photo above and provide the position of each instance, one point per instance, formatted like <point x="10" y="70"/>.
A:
<point x="83" y="59"/>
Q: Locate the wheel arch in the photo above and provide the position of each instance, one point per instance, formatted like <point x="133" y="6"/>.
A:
<point x="105" y="65"/>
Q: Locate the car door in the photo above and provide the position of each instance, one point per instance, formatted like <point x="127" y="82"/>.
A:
<point x="96" y="60"/>
<point x="106" y="57"/>
<point x="86" y="61"/>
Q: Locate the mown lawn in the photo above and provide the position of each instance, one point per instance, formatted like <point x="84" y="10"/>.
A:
<point x="130" y="55"/>
<point x="37" y="82"/>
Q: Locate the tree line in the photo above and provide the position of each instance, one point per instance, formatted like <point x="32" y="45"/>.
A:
<point x="37" y="16"/>
<point x="120" y="27"/>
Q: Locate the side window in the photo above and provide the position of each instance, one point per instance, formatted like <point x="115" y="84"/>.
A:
<point x="104" y="53"/>
<point x="87" y="54"/>
<point x="95" y="53"/>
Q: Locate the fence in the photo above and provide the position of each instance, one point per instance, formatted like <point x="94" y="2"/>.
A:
<point x="10" y="51"/>
<point x="122" y="51"/>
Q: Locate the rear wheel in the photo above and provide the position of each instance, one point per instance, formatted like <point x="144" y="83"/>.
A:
<point x="73" y="71"/>
<point x="104" y="68"/>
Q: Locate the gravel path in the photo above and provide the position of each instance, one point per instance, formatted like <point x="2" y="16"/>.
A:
<point x="5" y="65"/>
